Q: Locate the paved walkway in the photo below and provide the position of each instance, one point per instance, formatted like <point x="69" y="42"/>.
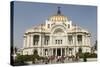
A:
<point x="71" y="61"/>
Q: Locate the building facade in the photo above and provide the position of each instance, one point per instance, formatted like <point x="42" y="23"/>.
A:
<point x="56" y="37"/>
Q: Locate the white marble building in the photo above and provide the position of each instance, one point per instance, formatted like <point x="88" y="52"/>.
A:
<point x="56" y="37"/>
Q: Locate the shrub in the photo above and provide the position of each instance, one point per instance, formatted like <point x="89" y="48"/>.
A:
<point x="88" y="55"/>
<point x="25" y="58"/>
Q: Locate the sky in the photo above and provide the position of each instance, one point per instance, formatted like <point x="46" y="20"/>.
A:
<point x="28" y="14"/>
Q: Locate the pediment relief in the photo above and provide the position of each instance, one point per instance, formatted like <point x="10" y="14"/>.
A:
<point x="58" y="31"/>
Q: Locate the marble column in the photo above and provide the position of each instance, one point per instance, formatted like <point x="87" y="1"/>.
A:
<point x="42" y="39"/>
<point x="76" y="39"/>
<point x="52" y="52"/>
<point x="73" y="37"/>
<point x="40" y="45"/>
<point x="31" y="41"/>
<point x="66" y="42"/>
<point x="74" y="51"/>
<point x="89" y="41"/>
<point x="40" y="42"/>
<point x="27" y="44"/>
<point x="61" y="51"/>
<point x="43" y="52"/>
<point x="50" y="40"/>
<point x="86" y="39"/>
<point x="27" y="41"/>
<point x="83" y="40"/>
<point x="75" y="44"/>
<point x="65" y="51"/>
<point x="48" y="51"/>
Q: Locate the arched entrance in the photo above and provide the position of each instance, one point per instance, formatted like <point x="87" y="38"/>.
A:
<point x="58" y="38"/>
<point x="35" y="52"/>
<point x="80" y="50"/>
<point x="58" y="52"/>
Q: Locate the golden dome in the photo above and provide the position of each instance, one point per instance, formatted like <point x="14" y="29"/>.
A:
<point x="58" y="17"/>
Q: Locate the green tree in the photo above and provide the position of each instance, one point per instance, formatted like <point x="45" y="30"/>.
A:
<point x="95" y="45"/>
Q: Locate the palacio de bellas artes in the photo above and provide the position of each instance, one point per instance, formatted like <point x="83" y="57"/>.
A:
<point x="57" y="40"/>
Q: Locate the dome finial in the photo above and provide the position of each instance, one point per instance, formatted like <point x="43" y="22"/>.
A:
<point x="59" y="12"/>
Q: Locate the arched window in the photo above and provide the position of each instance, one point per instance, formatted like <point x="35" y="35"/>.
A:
<point x="70" y="39"/>
<point x="79" y="39"/>
<point x="46" y="41"/>
<point x="46" y="52"/>
<point x="35" y="52"/>
<point x="35" y="39"/>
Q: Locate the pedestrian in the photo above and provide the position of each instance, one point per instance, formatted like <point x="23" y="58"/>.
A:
<point x="85" y="58"/>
